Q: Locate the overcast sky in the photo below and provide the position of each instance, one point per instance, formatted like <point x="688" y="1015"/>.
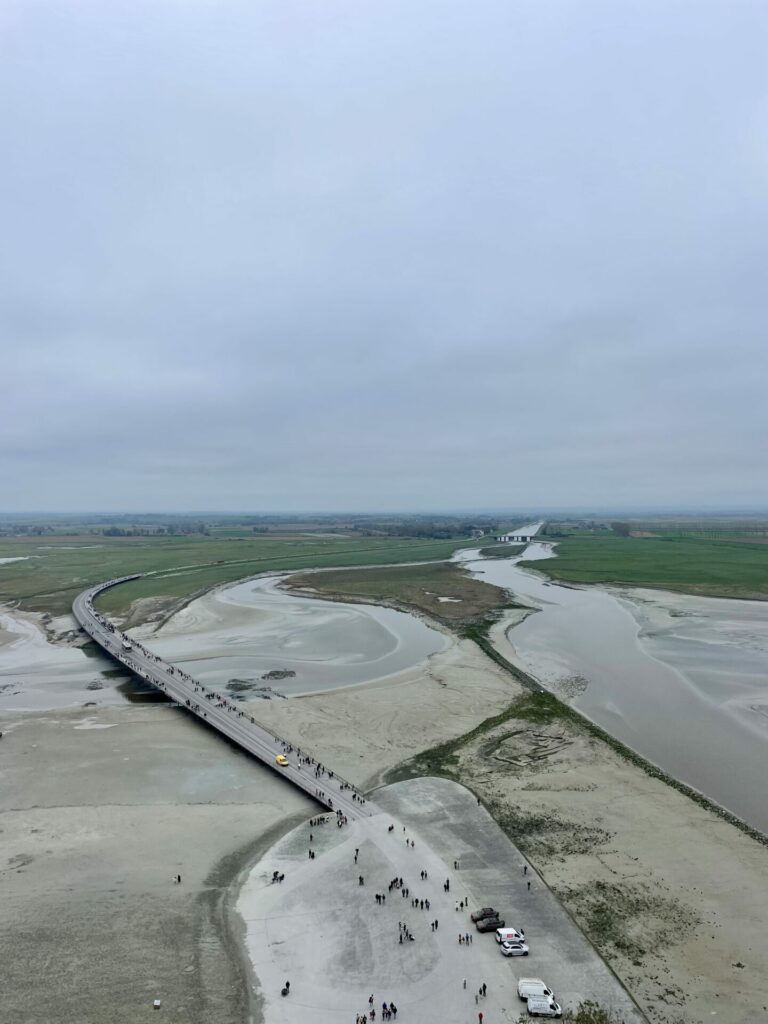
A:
<point x="383" y="254"/>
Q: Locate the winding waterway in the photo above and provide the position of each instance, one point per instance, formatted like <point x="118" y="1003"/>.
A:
<point x="250" y="629"/>
<point x="682" y="680"/>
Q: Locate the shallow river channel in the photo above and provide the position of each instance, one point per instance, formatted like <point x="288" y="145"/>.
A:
<point x="251" y="629"/>
<point x="682" y="680"/>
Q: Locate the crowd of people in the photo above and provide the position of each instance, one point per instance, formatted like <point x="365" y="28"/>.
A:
<point x="388" y="1012"/>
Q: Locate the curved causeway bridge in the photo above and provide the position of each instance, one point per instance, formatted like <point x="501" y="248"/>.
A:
<point x="218" y="711"/>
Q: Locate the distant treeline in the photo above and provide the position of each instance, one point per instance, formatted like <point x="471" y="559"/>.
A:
<point x="173" y="530"/>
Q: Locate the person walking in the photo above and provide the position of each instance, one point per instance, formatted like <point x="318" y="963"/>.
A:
<point x="480" y="1017"/>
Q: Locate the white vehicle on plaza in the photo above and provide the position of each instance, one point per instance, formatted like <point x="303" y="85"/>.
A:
<point x="541" y="1006"/>
<point x="532" y="987"/>
<point x="510" y="935"/>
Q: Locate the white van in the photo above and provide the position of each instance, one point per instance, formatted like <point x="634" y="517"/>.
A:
<point x="533" y="987"/>
<point x="510" y="935"/>
<point x="539" y="1006"/>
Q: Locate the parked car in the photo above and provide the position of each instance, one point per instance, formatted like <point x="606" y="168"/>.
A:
<point x="489" y="924"/>
<point x="540" y="1006"/>
<point x="513" y="949"/>
<point x="510" y="935"/>
<point x="528" y="987"/>
<point x="478" y="915"/>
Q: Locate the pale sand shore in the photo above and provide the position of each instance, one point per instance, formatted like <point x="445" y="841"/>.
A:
<point x="95" y="823"/>
<point x="43" y="664"/>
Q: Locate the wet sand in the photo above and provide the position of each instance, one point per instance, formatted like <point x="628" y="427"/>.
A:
<point x="42" y="665"/>
<point x="99" y="811"/>
<point x="247" y="630"/>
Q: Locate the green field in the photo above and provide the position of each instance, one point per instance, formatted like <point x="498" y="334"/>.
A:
<point x="415" y="586"/>
<point x="712" y="567"/>
<point x="57" y="568"/>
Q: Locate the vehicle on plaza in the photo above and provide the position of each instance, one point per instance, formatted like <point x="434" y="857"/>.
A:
<point x="478" y="915"/>
<point x="489" y="924"/>
<point x="534" y="988"/>
<point x="127" y="646"/>
<point x="282" y="760"/>
<point x="513" y="949"/>
<point x="510" y="935"/>
<point x="540" y="1006"/>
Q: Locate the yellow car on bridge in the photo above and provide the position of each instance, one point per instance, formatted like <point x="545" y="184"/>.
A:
<point x="282" y="760"/>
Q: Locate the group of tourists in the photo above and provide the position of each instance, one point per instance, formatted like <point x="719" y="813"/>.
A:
<point x="388" y="1012"/>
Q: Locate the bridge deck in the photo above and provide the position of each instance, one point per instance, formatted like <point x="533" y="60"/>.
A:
<point x="219" y="711"/>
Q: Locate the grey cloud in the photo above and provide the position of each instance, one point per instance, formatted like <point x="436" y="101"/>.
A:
<point x="359" y="255"/>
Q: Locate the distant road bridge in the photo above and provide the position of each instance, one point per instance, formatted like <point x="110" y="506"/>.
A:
<point x="219" y="711"/>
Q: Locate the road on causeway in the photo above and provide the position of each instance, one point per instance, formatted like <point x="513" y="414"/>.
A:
<point x="219" y="712"/>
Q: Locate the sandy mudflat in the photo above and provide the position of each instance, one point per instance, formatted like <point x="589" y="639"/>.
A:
<point x="245" y="630"/>
<point x="42" y="666"/>
<point x="95" y="823"/>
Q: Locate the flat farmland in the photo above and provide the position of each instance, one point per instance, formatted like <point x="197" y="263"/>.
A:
<point x="51" y="571"/>
<point x="713" y="568"/>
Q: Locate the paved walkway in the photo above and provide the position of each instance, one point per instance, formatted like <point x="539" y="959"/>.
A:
<point x="326" y="934"/>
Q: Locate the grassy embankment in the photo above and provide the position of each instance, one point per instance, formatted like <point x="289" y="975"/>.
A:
<point x="417" y="587"/>
<point x="58" y="568"/>
<point x="713" y="568"/>
<point x="501" y="550"/>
